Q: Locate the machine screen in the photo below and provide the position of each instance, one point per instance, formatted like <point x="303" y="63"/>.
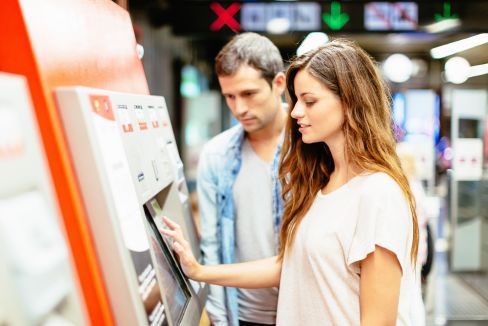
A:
<point x="174" y="285"/>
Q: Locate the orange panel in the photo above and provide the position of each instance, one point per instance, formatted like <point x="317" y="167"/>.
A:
<point x="71" y="42"/>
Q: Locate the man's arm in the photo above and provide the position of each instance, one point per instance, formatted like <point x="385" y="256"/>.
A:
<point x="209" y="243"/>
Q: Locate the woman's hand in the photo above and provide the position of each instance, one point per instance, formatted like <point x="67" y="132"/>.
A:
<point x="256" y="274"/>
<point x="188" y="262"/>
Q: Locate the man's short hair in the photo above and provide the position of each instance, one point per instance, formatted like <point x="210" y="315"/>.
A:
<point x="252" y="49"/>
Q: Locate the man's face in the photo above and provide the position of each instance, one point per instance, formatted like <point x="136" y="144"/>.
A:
<point x="251" y="99"/>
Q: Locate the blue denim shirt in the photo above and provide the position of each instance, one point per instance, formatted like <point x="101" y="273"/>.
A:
<point x="219" y="164"/>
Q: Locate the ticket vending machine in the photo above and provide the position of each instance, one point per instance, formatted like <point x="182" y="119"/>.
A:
<point x="130" y="174"/>
<point x="37" y="282"/>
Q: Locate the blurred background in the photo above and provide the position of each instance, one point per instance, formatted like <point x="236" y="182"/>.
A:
<point x="434" y="57"/>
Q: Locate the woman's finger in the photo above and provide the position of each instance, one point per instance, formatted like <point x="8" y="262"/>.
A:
<point x="179" y="249"/>
<point x="175" y="227"/>
<point x="171" y="224"/>
<point x="177" y="237"/>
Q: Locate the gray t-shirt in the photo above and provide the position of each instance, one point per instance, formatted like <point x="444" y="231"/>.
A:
<point x="255" y="238"/>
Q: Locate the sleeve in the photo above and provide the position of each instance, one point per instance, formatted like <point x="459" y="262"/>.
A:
<point x="384" y="220"/>
<point x="209" y="244"/>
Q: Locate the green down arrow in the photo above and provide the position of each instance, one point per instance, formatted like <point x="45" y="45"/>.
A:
<point x="447" y="13"/>
<point x="335" y="20"/>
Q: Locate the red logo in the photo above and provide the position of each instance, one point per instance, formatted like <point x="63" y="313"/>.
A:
<point x="225" y="16"/>
<point x="142" y="125"/>
<point x="127" y="127"/>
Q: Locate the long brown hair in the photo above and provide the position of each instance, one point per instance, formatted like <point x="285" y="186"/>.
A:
<point x="349" y="72"/>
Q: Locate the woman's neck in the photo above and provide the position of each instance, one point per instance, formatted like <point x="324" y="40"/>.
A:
<point x="344" y="169"/>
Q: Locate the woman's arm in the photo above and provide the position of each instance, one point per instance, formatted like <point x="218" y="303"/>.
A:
<point x="380" y="288"/>
<point x="262" y="273"/>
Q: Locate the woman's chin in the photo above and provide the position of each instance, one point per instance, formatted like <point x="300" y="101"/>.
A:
<point x="308" y="141"/>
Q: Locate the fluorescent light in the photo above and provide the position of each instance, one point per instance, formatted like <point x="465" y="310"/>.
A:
<point x="457" y="70"/>
<point x="443" y="25"/>
<point x="458" y="46"/>
<point x="278" y="26"/>
<point x="398" y="68"/>
<point x="312" y="40"/>
<point x="478" y="70"/>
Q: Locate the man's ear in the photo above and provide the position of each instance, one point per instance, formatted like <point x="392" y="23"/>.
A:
<point x="279" y="82"/>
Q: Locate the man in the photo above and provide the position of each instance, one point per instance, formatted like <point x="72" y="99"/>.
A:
<point x="237" y="185"/>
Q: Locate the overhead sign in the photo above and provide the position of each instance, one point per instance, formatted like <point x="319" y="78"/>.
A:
<point x="225" y="16"/>
<point x="229" y="17"/>
<point x="391" y="16"/>
<point x="299" y="16"/>
<point x="446" y="13"/>
<point x="335" y="19"/>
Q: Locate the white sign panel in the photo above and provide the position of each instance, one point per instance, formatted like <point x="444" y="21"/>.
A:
<point x="377" y="16"/>
<point x="279" y="11"/>
<point x="404" y="15"/>
<point x="467" y="159"/>
<point x="382" y="16"/>
<point x="253" y="17"/>
<point x="306" y="17"/>
<point x="299" y="16"/>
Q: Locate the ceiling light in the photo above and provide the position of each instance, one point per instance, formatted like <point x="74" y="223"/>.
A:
<point x="443" y="25"/>
<point x="478" y="70"/>
<point x="457" y="70"/>
<point x="398" y="68"/>
<point x="458" y="46"/>
<point x="278" y="26"/>
<point x="312" y="40"/>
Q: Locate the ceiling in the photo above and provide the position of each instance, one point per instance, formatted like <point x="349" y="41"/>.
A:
<point x="381" y="45"/>
<point x="418" y="44"/>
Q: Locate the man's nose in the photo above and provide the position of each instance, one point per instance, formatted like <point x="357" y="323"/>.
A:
<point x="241" y="107"/>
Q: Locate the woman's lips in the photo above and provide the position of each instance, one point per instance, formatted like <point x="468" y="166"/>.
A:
<point x="302" y="127"/>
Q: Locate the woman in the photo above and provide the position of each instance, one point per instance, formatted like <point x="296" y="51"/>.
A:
<point x="349" y="233"/>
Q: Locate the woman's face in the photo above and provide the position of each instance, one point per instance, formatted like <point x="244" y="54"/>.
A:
<point x="318" y="111"/>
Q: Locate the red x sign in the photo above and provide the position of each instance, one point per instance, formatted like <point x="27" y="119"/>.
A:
<point x="225" y="16"/>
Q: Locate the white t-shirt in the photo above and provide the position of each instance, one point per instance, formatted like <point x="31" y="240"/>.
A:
<point x="321" y="274"/>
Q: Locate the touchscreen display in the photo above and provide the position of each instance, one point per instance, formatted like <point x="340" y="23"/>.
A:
<point x="174" y="285"/>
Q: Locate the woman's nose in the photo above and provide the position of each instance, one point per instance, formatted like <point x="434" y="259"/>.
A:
<point x="297" y="111"/>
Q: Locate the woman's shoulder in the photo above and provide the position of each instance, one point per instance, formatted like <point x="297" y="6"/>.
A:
<point x="379" y="185"/>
